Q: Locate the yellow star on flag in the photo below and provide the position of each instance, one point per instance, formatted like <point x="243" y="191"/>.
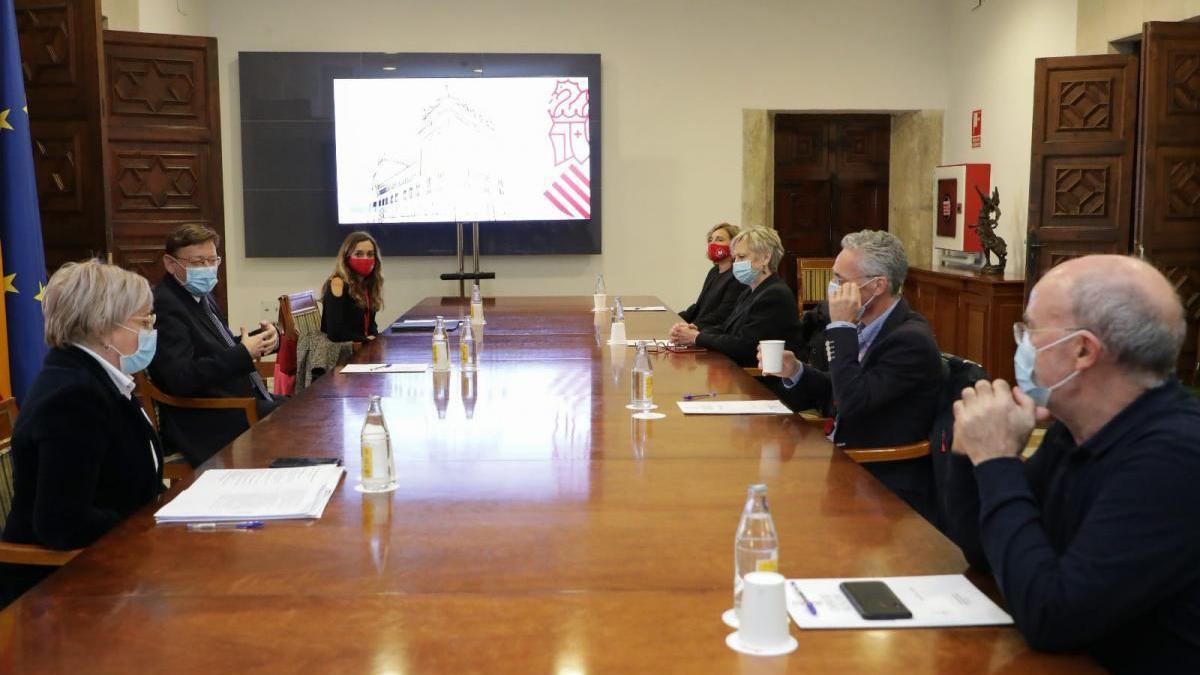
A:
<point x="4" y="119"/>
<point x="8" y="283"/>
<point x="41" y="292"/>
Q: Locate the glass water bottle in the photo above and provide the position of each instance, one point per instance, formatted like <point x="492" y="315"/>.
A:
<point x="468" y="353"/>
<point x="378" y="467"/>
<point x="756" y="546"/>
<point x="441" y="346"/>
<point x="641" y="395"/>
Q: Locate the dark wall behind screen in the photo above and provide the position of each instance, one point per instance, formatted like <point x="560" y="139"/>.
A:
<point x="289" y="171"/>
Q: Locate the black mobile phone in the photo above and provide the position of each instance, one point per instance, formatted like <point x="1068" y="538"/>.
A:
<point x="256" y="331"/>
<point x="874" y="601"/>
<point x="289" y="462"/>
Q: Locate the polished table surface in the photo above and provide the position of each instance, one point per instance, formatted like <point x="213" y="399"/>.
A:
<point x="537" y="528"/>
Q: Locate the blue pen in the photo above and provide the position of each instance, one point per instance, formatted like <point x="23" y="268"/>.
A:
<point x="693" y="397"/>
<point x="235" y="525"/>
<point x="803" y="598"/>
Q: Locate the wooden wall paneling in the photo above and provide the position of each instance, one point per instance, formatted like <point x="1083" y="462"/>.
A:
<point x="60" y="59"/>
<point x="164" y="151"/>
<point x="1168" y="213"/>
<point x="1082" y="164"/>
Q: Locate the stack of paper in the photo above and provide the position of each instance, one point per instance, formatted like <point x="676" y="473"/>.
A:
<point x="254" y="494"/>
<point x="646" y="308"/>
<point x="768" y="407"/>
<point x="935" y="601"/>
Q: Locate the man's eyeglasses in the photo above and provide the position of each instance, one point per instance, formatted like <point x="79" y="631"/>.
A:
<point x="202" y="262"/>
<point x="1021" y="329"/>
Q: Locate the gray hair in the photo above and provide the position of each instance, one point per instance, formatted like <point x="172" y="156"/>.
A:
<point x="88" y="299"/>
<point x="882" y="256"/>
<point x="1131" y="326"/>
<point x="763" y="241"/>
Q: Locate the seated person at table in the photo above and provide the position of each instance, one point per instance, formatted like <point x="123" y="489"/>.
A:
<point x="766" y="308"/>
<point x="354" y="293"/>
<point x="84" y="454"/>
<point x="880" y="373"/>
<point x="720" y="291"/>
<point x="198" y="355"/>
<point x="1093" y="541"/>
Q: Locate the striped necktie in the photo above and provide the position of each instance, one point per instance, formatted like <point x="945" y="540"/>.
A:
<point x="256" y="380"/>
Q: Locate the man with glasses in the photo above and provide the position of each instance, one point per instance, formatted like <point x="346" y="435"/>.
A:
<point x="1093" y="541"/>
<point x="880" y="377"/>
<point x="198" y="355"/>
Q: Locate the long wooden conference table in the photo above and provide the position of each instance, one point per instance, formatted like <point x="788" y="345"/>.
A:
<point x="537" y="528"/>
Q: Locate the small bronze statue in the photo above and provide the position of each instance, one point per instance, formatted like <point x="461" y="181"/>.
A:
<point x="989" y="217"/>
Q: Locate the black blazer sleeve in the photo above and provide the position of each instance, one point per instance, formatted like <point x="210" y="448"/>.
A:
<point x="723" y="297"/>
<point x="773" y="316"/>
<point x="691" y="313"/>
<point x="177" y="369"/>
<point x="72" y="441"/>
<point x="904" y="364"/>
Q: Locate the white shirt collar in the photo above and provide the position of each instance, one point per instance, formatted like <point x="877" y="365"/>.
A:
<point x="123" y="382"/>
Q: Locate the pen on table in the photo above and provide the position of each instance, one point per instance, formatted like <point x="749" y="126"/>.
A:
<point x="804" y="598"/>
<point x="693" y="397"/>
<point x="237" y="525"/>
<point x="383" y="366"/>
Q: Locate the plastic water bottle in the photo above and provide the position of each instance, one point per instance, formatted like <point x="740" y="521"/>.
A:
<point x="756" y="546"/>
<point x="476" y="305"/>
<point x="641" y="396"/>
<point x="378" y="469"/>
<point x="441" y="346"/>
<point x="468" y="354"/>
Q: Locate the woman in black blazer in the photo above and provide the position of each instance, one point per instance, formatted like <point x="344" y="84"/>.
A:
<point x="720" y="291"/>
<point x="766" y="308"/>
<point x="84" y="453"/>
<point x="354" y="293"/>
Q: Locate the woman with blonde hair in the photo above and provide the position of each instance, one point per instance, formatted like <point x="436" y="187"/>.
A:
<point x="720" y="291"/>
<point x="766" y="309"/>
<point x="354" y="292"/>
<point x="84" y="453"/>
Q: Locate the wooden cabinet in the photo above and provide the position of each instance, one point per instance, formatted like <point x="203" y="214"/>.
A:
<point x="971" y="315"/>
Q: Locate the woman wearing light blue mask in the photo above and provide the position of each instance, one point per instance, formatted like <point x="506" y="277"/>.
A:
<point x="766" y="309"/>
<point x="84" y="453"/>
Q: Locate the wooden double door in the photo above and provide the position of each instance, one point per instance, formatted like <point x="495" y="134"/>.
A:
<point x="126" y="135"/>
<point x="831" y="178"/>
<point x="1116" y="159"/>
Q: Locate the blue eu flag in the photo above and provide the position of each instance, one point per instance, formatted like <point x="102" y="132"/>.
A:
<point x="24" y="262"/>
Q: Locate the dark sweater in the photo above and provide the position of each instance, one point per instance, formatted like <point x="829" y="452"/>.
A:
<point x="342" y="318"/>
<point x="768" y="312"/>
<point x="1096" y="545"/>
<point x="718" y="297"/>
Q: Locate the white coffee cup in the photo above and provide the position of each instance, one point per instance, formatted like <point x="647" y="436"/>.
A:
<point x="763" y="617"/>
<point x="772" y="356"/>
<point x="600" y="300"/>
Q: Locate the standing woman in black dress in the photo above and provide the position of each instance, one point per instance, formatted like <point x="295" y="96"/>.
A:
<point x="354" y="293"/>
<point x="720" y="291"/>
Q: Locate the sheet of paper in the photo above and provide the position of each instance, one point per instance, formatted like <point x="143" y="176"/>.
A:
<point x="646" y="308"/>
<point x="254" y="494"/>
<point x="937" y="600"/>
<point x="765" y="407"/>
<point x="385" y="368"/>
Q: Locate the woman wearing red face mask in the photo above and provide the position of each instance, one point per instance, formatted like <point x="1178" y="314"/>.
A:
<point x="720" y="291"/>
<point x="354" y="293"/>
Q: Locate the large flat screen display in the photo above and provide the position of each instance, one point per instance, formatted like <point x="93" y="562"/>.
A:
<point x="419" y="150"/>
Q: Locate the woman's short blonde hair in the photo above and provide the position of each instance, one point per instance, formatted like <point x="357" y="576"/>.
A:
<point x="88" y="299"/>
<point x="730" y="229"/>
<point x="763" y="242"/>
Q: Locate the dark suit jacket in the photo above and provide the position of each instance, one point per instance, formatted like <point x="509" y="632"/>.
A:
<point x="82" y="461"/>
<point x="768" y="312"/>
<point x="193" y="360"/>
<point x="718" y="297"/>
<point x="891" y="398"/>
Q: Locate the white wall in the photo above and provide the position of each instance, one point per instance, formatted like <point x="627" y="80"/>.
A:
<point x="1102" y="21"/>
<point x="177" y="17"/>
<point x="677" y="74"/>
<point x="991" y="67"/>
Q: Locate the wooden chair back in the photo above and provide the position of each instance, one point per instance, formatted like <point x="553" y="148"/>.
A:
<point x="151" y="395"/>
<point x="812" y="280"/>
<point x="299" y="314"/>
<point x="19" y="554"/>
<point x="889" y="454"/>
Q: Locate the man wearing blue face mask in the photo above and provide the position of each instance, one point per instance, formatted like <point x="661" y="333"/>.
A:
<point x="881" y="375"/>
<point x="198" y="355"/>
<point x="1093" y="541"/>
